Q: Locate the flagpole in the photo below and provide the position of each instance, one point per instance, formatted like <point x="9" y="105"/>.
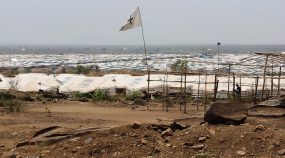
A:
<point x="145" y="52"/>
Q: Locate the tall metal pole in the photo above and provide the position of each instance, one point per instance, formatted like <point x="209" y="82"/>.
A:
<point x="218" y="44"/>
<point x="145" y="52"/>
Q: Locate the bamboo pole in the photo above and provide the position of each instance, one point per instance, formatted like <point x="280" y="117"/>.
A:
<point x="234" y="80"/>
<point x="215" y="88"/>
<point x="229" y="81"/>
<point x="185" y="95"/>
<point x="264" y="76"/>
<point x="256" y="89"/>
<point x="279" y="75"/>
<point x="205" y="92"/>
<point x="240" y="88"/>
<point x="166" y="96"/>
<point x="272" y="88"/>
<point x="181" y="90"/>
<point x="198" y="92"/>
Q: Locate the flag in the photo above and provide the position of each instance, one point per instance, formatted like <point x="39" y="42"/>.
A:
<point x="133" y="22"/>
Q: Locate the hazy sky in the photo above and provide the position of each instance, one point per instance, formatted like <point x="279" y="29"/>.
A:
<point x="96" y="22"/>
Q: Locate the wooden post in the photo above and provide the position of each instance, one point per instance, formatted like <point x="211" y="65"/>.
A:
<point x="229" y="81"/>
<point x="181" y="90"/>
<point x="272" y="88"/>
<point x="163" y="93"/>
<point x="256" y="89"/>
<point x="234" y="80"/>
<point x="185" y="94"/>
<point x="198" y="92"/>
<point x="148" y="91"/>
<point x="264" y="76"/>
<point x="205" y="92"/>
<point x="215" y="88"/>
<point x="240" y="88"/>
<point x="167" y="99"/>
<point x="279" y="76"/>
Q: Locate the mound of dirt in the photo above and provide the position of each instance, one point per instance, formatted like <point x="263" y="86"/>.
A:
<point x="226" y="113"/>
<point x="195" y="141"/>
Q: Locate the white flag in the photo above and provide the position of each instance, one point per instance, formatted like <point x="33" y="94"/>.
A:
<point x="133" y="22"/>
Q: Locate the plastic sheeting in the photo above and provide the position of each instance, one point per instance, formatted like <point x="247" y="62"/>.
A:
<point x="73" y="82"/>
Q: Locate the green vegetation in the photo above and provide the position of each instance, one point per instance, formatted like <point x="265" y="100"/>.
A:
<point x="133" y="96"/>
<point x="97" y="95"/>
<point x="100" y="95"/>
<point x="10" y="102"/>
<point x="179" y="65"/>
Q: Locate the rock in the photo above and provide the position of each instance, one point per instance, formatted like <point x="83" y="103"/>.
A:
<point x="259" y="128"/>
<point x="9" y="155"/>
<point x="156" y="150"/>
<point x="116" y="154"/>
<point x="226" y="113"/>
<point x="74" y="150"/>
<point x="135" y="125"/>
<point x="2" y="145"/>
<point x="281" y="152"/>
<point x="241" y="153"/>
<point x="88" y="140"/>
<point x="168" y="145"/>
<point x="166" y="133"/>
<point x="198" y="147"/>
<point x="278" y="102"/>
<point x="188" y="144"/>
<point x="202" y="139"/>
<point x="143" y="141"/>
<point x="45" y="152"/>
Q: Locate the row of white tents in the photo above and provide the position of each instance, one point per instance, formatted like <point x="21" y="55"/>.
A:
<point x="72" y="82"/>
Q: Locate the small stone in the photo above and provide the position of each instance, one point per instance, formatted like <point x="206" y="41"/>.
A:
<point x="116" y="154"/>
<point x="74" y="139"/>
<point x="281" y="152"/>
<point x="156" y="150"/>
<point x="167" y="132"/>
<point x="202" y="139"/>
<point x="168" y="145"/>
<point x="259" y="128"/>
<point x="9" y="155"/>
<point x="198" y="147"/>
<point x="241" y="153"/>
<point x="188" y="144"/>
<point x="212" y="132"/>
<point x="88" y="140"/>
<point x="186" y="133"/>
<point x="74" y="150"/>
<point x="45" y="152"/>
<point x="135" y="125"/>
<point x="2" y="145"/>
<point x="143" y="141"/>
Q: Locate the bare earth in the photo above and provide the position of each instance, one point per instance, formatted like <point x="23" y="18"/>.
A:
<point x="123" y="141"/>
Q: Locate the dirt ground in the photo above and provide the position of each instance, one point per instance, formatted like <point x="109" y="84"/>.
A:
<point x="15" y="127"/>
<point x="259" y="137"/>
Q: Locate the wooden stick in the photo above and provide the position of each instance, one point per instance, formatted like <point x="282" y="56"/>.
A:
<point x="185" y="95"/>
<point x="279" y="75"/>
<point x="234" y="80"/>
<point x="229" y="81"/>
<point x="264" y="76"/>
<point x="215" y="88"/>
<point x="198" y="92"/>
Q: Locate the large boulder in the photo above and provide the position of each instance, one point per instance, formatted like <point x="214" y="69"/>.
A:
<point x="277" y="102"/>
<point x="226" y="113"/>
